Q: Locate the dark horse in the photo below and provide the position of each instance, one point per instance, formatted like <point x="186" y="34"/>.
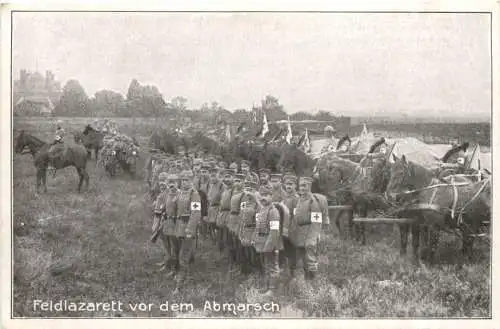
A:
<point x="75" y="156"/>
<point x="344" y="182"/>
<point x="436" y="205"/>
<point x="91" y="139"/>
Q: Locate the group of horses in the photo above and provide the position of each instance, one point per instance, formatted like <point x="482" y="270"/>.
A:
<point x="77" y="155"/>
<point x="362" y="183"/>
<point x="376" y="182"/>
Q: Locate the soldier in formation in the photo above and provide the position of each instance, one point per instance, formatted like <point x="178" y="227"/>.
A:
<point x="261" y="222"/>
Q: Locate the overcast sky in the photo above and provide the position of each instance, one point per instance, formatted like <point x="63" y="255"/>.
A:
<point x="347" y="63"/>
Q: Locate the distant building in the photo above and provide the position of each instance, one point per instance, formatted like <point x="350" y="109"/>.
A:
<point x="36" y="93"/>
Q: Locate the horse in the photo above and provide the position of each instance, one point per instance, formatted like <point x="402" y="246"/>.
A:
<point x="164" y="141"/>
<point x="75" y="156"/>
<point x="360" y="185"/>
<point x="343" y="181"/>
<point x="293" y="159"/>
<point x="91" y="139"/>
<point x="435" y="205"/>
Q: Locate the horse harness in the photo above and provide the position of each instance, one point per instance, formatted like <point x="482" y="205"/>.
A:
<point x="454" y="186"/>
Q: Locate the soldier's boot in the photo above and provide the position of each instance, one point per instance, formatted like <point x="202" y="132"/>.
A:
<point x="179" y="282"/>
<point x="213" y="232"/>
<point x="174" y="269"/>
<point x="272" y="286"/>
<point x="309" y="275"/>
<point x="264" y="285"/>
<point x="165" y="264"/>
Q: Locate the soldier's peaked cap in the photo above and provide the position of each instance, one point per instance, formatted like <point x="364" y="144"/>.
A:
<point x="205" y="166"/>
<point x="239" y="176"/>
<point x="290" y="178"/>
<point x="163" y="176"/>
<point x="250" y="183"/>
<point x="186" y="174"/>
<point x="276" y="176"/>
<point x="305" y="179"/>
<point x="246" y="162"/>
<point x="264" y="170"/>
<point x="172" y="176"/>
<point x="228" y="172"/>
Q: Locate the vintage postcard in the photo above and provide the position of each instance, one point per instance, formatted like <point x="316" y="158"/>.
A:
<point x="263" y="162"/>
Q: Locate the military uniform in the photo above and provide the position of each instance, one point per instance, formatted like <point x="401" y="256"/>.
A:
<point x="166" y="204"/>
<point x="201" y="184"/>
<point x="276" y="188"/>
<point x="267" y="240"/>
<point x="188" y="217"/>
<point x="233" y="223"/>
<point x="234" y="167"/>
<point x="455" y="165"/>
<point x="224" y="209"/>
<point x="213" y="198"/>
<point x="249" y="206"/>
<point x="264" y="177"/>
<point x="289" y="199"/>
<point x="310" y="213"/>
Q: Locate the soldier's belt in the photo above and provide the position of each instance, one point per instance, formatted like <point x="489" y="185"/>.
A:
<point x="215" y="205"/>
<point x="235" y="212"/>
<point x="251" y="225"/>
<point x="225" y="210"/>
<point x="262" y="233"/>
<point x="171" y="218"/>
<point x="184" y="218"/>
<point x="304" y="224"/>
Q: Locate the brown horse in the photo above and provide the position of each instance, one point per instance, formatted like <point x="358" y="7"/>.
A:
<point x="436" y="205"/>
<point x="91" y="139"/>
<point x="75" y="156"/>
<point x="360" y="185"/>
<point x="344" y="182"/>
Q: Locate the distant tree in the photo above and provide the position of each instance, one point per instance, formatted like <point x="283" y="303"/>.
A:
<point x="324" y="116"/>
<point x="144" y="101"/>
<point x="179" y="102"/>
<point x="108" y="103"/>
<point x="205" y="107"/>
<point x="299" y="116"/>
<point x="134" y="90"/>
<point x="273" y="109"/>
<point x="74" y="101"/>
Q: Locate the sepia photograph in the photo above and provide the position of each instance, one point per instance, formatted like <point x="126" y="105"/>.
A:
<point x="251" y="164"/>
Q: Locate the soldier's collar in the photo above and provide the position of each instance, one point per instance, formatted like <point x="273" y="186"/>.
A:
<point x="306" y="196"/>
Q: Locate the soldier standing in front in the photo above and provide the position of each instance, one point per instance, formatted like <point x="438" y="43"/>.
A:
<point x="267" y="240"/>
<point x="213" y="197"/>
<point x="310" y="217"/>
<point x="188" y="218"/>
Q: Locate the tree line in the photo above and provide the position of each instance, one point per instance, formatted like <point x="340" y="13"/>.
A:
<point x="147" y="101"/>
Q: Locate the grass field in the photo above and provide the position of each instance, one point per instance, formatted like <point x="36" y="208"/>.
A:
<point x="95" y="247"/>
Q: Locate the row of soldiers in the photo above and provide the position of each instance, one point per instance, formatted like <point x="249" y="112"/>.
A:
<point x="262" y="221"/>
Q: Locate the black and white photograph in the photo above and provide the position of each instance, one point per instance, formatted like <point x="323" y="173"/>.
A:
<point x="250" y="164"/>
